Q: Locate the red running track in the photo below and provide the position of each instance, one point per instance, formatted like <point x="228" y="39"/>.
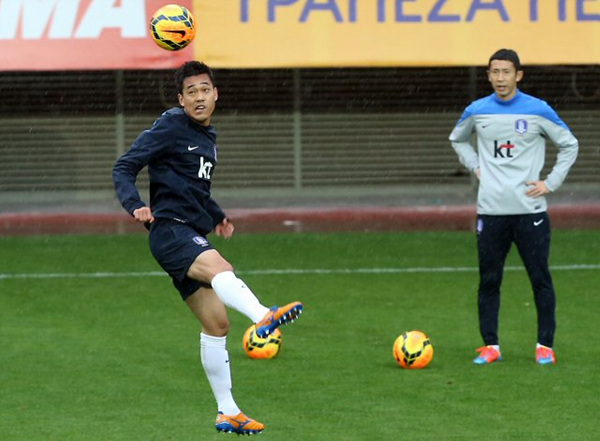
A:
<point x="351" y="219"/>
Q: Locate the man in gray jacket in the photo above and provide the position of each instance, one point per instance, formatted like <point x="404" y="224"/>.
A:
<point x="511" y="129"/>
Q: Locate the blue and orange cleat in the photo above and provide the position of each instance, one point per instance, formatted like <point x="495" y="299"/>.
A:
<point x="487" y="355"/>
<point x="544" y="355"/>
<point x="276" y="317"/>
<point x="240" y="424"/>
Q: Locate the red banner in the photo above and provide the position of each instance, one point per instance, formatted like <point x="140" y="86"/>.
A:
<point x="82" y="35"/>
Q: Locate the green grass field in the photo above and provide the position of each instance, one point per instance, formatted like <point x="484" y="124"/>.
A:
<point x="97" y="345"/>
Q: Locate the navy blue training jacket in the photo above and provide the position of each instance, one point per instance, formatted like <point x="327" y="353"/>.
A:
<point x="181" y="157"/>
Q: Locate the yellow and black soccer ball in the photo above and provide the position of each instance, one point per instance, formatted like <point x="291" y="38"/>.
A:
<point x="413" y="350"/>
<point x="256" y="347"/>
<point x="172" y="27"/>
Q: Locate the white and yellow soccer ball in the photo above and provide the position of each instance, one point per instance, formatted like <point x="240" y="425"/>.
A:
<point x="413" y="350"/>
<point x="172" y="27"/>
<point x="256" y="347"/>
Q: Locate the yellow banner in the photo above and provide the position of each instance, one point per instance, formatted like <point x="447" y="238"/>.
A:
<point x="346" y="33"/>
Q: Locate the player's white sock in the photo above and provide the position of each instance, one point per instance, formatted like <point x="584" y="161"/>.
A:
<point x="235" y="294"/>
<point x="538" y="345"/>
<point x="215" y="361"/>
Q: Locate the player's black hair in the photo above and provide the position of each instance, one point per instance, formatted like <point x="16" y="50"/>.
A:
<point x="506" y="55"/>
<point x="190" y="69"/>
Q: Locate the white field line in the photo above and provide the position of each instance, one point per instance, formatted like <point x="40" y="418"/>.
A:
<point x="289" y="271"/>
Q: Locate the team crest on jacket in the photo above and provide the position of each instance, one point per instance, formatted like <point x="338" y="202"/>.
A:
<point x="199" y="240"/>
<point x="521" y="126"/>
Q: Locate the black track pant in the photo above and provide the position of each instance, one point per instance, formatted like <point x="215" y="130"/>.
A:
<point x="531" y="234"/>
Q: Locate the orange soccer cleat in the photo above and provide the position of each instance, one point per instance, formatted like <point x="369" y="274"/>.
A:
<point x="544" y="355"/>
<point x="277" y="317"/>
<point x="487" y="355"/>
<point x="240" y="424"/>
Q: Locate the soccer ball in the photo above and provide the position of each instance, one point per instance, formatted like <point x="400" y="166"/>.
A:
<point x="413" y="350"/>
<point x="256" y="347"/>
<point x="172" y="27"/>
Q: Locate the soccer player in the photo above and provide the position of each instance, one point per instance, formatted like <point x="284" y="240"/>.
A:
<point x="180" y="151"/>
<point x="511" y="129"/>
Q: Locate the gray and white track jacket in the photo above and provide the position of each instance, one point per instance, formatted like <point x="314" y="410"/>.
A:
<point x="511" y="146"/>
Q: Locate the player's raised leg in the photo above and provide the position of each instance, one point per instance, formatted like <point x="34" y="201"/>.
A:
<point x="233" y="292"/>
